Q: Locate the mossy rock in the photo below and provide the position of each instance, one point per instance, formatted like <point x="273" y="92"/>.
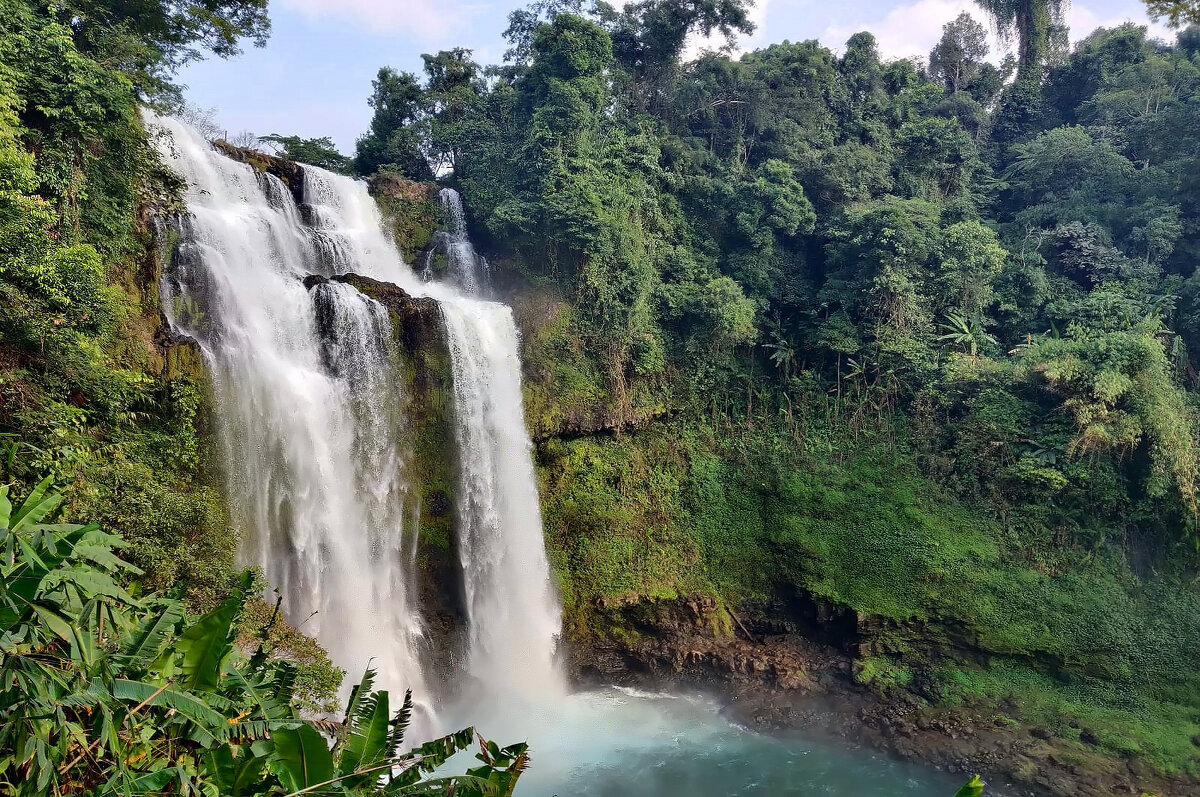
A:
<point x="411" y="211"/>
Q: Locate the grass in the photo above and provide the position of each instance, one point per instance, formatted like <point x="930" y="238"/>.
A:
<point x="1116" y="719"/>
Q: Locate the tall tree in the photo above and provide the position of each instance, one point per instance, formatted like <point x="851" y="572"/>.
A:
<point x="649" y="37"/>
<point x="393" y="138"/>
<point x="1037" y="25"/>
<point x="523" y="24"/>
<point x="958" y="57"/>
<point x="452" y="89"/>
<point x="150" y="39"/>
<point x="1177" y="13"/>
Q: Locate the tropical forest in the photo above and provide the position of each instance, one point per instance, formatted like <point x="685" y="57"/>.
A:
<point x="661" y="403"/>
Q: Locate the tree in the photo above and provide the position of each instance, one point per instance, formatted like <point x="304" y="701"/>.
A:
<point x="1177" y="13"/>
<point x="394" y="138"/>
<point x="1036" y="24"/>
<point x="314" y="151"/>
<point x="524" y="22"/>
<point x="862" y="71"/>
<point x="452" y="89"/>
<point x="956" y="59"/>
<point x="150" y="39"/>
<point x="649" y="38"/>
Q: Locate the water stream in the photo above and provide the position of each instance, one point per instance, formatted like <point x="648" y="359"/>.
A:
<point x="313" y="429"/>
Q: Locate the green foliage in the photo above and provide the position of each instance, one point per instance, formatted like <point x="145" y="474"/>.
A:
<point x="1088" y="713"/>
<point x="393" y="140"/>
<point x="1178" y="13"/>
<point x="315" y="151"/>
<point x="973" y="788"/>
<point x="108" y="693"/>
<point x="88" y="397"/>
<point x="957" y="59"/>
<point x="1036" y="24"/>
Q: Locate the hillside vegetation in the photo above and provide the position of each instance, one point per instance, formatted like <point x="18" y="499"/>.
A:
<point x="912" y="339"/>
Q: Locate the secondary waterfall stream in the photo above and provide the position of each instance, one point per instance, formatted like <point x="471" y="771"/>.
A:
<point x="313" y="428"/>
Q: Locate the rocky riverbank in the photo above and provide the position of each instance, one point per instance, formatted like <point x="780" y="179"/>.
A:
<point x="776" y="672"/>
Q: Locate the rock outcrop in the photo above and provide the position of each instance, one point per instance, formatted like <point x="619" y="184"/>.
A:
<point x="426" y="379"/>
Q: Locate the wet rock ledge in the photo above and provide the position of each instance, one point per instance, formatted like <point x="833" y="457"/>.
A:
<point x="790" y="664"/>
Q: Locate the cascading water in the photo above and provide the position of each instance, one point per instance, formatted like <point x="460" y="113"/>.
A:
<point x="313" y="424"/>
<point x="464" y="266"/>
<point x="500" y="521"/>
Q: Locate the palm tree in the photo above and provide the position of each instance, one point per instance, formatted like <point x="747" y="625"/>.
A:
<point x="967" y="333"/>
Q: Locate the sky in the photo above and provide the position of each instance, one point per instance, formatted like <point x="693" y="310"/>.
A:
<point x="314" y="76"/>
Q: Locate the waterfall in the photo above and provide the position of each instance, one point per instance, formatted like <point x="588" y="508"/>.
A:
<point x="466" y="267"/>
<point x="312" y="420"/>
<point x="500" y="520"/>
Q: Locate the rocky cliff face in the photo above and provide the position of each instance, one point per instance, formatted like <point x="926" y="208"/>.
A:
<point x="425" y="370"/>
<point x="412" y="211"/>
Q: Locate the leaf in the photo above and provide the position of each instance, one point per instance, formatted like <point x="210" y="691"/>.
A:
<point x="90" y="583"/>
<point x="464" y="785"/>
<point x="141" y="646"/>
<point x="60" y="625"/>
<point x="367" y="738"/>
<point x="973" y="788"/>
<point x="5" y="507"/>
<point x="205" y="645"/>
<point x="101" y="554"/>
<point x="433" y="754"/>
<point x="360" y="690"/>
<point x="400" y="722"/>
<point x="207" y="725"/>
<point x="35" y="507"/>
<point x="150" y="782"/>
<point x="272" y="696"/>
<point x="301" y="758"/>
<point x="24" y="581"/>
<point x="235" y="775"/>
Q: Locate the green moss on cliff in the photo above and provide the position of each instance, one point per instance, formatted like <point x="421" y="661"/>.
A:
<point x="427" y="378"/>
<point x="411" y="211"/>
<point x="678" y="508"/>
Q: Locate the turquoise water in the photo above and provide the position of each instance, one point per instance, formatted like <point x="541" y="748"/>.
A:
<point x="622" y="743"/>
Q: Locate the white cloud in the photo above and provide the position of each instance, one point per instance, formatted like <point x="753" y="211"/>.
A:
<point x="425" y="20"/>
<point x="1082" y="21"/>
<point x="910" y="30"/>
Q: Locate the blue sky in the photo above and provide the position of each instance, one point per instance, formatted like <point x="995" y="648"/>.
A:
<point x="314" y="75"/>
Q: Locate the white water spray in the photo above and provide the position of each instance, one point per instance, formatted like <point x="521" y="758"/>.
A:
<point x="465" y="267"/>
<point x="313" y="423"/>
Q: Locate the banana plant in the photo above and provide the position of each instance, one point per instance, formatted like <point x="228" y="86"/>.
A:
<point x="368" y="756"/>
<point x="107" y="694"/>
<point x="968" y="334"/>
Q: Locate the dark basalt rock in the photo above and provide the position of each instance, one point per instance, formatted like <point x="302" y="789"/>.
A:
<point x="420" y="317"/>
<point x="289" y="172"/>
